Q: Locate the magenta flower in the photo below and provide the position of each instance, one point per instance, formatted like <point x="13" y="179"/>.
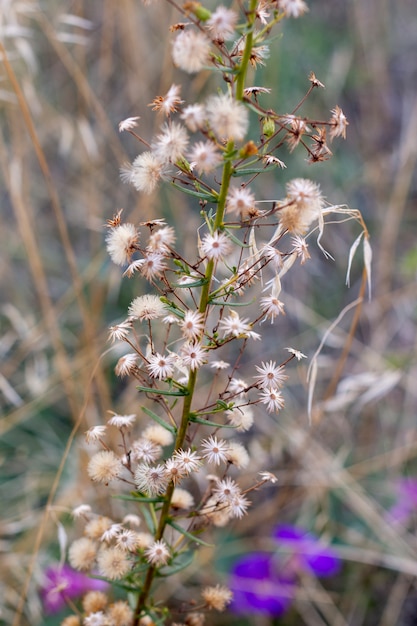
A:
<point x="264" y="582"/>
<point x="64" y="582"/>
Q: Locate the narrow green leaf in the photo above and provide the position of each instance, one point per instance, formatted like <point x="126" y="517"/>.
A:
<point x="139" y="498"/>
<point x="252" y="170"/>
<point x="196" y="283"/>
<point x="200" y="420"/>
<point x="162" y="392"/>
<point x="189" y="535"/>
<point x="159" y="420"/>
<point x="177" y="567"/>
<point x="197" y="194"/>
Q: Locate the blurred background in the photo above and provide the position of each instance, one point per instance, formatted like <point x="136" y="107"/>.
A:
<point x="70" y="71"/>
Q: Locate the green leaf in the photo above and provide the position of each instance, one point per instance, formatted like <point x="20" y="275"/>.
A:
<point x="252" y="170"/>
<point x="162" y="392"/>
<point x="197" y="194"/>
<point x="189" y="535"/>
<point x="200" y="420"/>
<point x="159" y="420"/>
<point x="139" y="498"/>
<point x="196" y="283"/>
<point x="187" y="557"/>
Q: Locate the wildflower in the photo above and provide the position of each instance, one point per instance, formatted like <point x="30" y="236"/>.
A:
<point x="146" y="450"/>
<point x="227" y="118"/>
<point x="300" y="247"/>
<point x="273" y="400"/>
<point x="215" y="450"/>
<point x="216" y="512"/>
<point x="190" y="51"/>
<point x="95" y="433"/>
<point x="226" y="490"/>
<point x="160" y="366"/>
<point x="151" y="479"/>
<point x="293" y="8"/>
<point x="113" y="563"/>
<point x="146" y="307"/>
<point x="133" y="267"/>
<point x="193" y="355"/>
<point x="171" y="144"/>
<point x="271" y="306"/>
<point x="83" y="510"/>
<point x="270" y="376"/>
<point x="237" y="455"/>
<point x="305" y="204"/>
<point x="241" y="417"/>
<point x="82" y="553"/>
<point x="406" y="501"/>
<point x="222" y="23"/>
<point x="153" y="265"/>
<point x="144" y="540"/>
<point x="126" y="364"/>
<point x="188" y="461"/>
<point x="132" y="519"/>
<point x="308" y="552"/>
<point x="194" y="117"/>
<point x="120" y="331"/>
<point x="161" y="239"/>
<point x="217" y="597"/>
<point x="97" y="527"/>
<point x="169" y="103"/>
<point x="338" y="123"/>
<point x="95" y="619"/>
<point x="111" y="533"/>
<point x="238" y="506"/>
<point x="268" y="476"/>
<point x="158" y="553"/>
<point x="145" y="172"/>
<point x="216" y="246"/>
<point x="128" y="124"/>
<point x="62" y="583"/>
<point x="298" y="355"/>
<point x="240" y="200"/>
<point x="238" y="386"/>
<point x="158" y="435"/>
<point x="219" y="365"/>
<point x="122" y="421"/>
<point x="104" y="467"/>
<point x="234" y="325"/>
<point x="182" y="499"/>
<point x="205" y="157"/>
<point x="259" y="586"/>
<point x="122" y="242"/>
<point x="174" y="473"/>
<point x="120" y="614"/>
<point x="94" y="601"/>
<point x="192" y="325"/>
<point x="126" y="540"/>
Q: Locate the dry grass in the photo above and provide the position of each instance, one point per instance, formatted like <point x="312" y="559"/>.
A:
<point x="64" y="86"/>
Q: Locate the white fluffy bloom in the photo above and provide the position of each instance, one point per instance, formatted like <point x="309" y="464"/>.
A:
<point x="160" y="366"/>
<point x="293" y="8"/>
<point x="228" y="118"/>
<point x="147" y="307"/>
<point x="205" y="157"/>
<point x="122" y="243"/>
<point x="191" y="51"/>
<point x="145" y="172"/>
<point x="158" y="553"/>
<point x="222" y="23"/>
<point x="216" y="246"/>
<point x="240" y="200"/>
<point x="194" y="116"/>
<point x="171" y="144"/>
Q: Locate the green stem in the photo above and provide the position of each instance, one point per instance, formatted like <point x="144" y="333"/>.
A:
<point x="203" y="305"/>
<point x="241" y="77"/>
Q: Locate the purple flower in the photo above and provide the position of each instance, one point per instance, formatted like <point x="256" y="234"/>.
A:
<point x="64" y="582"/>
<point x="406" y="502"/>
<point x="264" y="582"/>
<point x="306" y="551"/>
<point x="259" y="586"/>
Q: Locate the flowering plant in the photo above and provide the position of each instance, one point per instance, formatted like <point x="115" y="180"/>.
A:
<point x="190" y="348"/>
